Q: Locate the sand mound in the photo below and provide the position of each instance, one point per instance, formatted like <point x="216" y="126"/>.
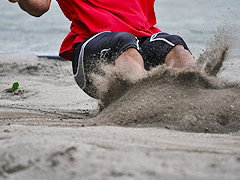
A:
<point x="180" y="99"/>
<point x="191" y="99"/>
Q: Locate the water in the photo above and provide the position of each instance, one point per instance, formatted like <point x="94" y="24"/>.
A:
<point x="21" y="33"/>
<point x="196" y="21"/>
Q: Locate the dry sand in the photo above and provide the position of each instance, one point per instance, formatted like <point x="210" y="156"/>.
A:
<point x="179" y="99"/>
<point x="44" y="132"/>
<point x="174" y="124"/>
<point x="190" y="99"/>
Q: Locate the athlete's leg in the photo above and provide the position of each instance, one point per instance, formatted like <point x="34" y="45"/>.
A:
<point x="106" y="48"/>
<point x="179" y="57"/>
<point x="162" y="48"/>
<point x="130" y="63"/>
<point x="122" y="50"/>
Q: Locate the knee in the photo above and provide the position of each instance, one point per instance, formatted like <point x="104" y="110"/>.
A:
<point x="179" y="57"/>
<point x="179" y="51"/>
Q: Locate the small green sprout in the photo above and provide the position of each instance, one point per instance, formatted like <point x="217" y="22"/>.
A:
<point x="14" y="88"/>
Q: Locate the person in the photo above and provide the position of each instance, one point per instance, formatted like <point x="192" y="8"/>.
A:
<point x="119" y="32"/>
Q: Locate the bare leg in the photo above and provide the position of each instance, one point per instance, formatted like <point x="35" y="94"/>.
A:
<point x="130" y="63"/>
<point x="179" y="57"/>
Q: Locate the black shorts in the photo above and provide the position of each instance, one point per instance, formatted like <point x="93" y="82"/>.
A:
<point x="106" y="47"/>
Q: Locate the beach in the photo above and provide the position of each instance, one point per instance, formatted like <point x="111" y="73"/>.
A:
<point x="47" y="132"/>
<point x="175" y="124"/>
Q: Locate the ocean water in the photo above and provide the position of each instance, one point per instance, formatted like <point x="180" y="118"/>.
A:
<point x="21" y="33"/>
<point x="196" y="21"/>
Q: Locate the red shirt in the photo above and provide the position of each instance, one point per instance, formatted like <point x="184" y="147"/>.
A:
<point x="93" y="16"/>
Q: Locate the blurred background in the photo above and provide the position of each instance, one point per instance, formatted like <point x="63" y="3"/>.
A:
<point x="196" y="21"/>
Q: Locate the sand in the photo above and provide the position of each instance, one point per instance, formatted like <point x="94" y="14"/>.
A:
<point x="158" y="129"/>
<point x="191" y="99"/>
<point x="50" y="129"/>
<point x="178" y="99"/>
<point x="173" y="124"/>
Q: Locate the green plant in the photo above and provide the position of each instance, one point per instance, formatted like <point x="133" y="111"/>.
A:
<point x="14" y="87"/>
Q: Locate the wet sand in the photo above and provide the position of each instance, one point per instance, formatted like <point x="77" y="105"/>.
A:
<point x="50" y="129"/>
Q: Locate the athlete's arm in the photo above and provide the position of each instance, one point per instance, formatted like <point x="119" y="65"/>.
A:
<point x="34" y="7"/>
